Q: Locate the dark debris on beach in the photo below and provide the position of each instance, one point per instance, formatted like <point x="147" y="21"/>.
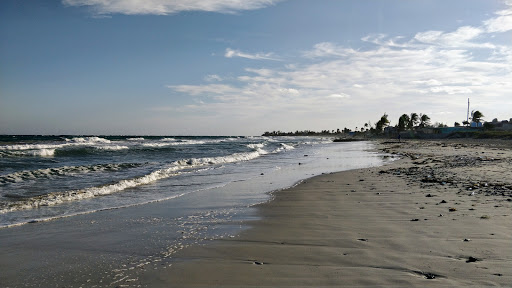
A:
<point x="431" y="171"/>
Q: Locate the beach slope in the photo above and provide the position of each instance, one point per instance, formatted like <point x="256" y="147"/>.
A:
<point x="440" y="216"/>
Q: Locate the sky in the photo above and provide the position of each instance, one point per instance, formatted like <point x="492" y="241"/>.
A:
<point x="233" y="67"/>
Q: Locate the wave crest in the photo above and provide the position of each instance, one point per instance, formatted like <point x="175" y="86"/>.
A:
<point x="56" y="198"/>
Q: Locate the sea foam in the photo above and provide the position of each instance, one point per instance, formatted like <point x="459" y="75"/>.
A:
<point x="174" y="169"/>
<point x="46" y="173"/>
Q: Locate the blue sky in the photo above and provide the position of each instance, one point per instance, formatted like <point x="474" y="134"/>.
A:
<point x="228" y="67"/>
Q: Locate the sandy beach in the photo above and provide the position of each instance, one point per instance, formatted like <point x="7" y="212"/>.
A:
<point x="440" y="216"/>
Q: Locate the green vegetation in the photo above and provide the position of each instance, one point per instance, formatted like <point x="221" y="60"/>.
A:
<point x="488" y="126"/>
<point x="413" y="120"/>
<point x="485" y="134"/>
<point x="477" y="116"/>
<point x="424" y="121"/>
<point x="413" y="125"/>
<point x="403" y="122"/>
<point x="382" y="123"/>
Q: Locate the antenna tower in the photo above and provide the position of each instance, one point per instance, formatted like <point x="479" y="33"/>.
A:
<point x="467" y="118"/>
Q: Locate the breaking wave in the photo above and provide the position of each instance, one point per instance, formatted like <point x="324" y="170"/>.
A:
<point x="88" y="140"/>
<point x="48" y="150"/>
<point x="62" y="171"/>
<point x="87" y="145"/>
<point x="75" y="195"/>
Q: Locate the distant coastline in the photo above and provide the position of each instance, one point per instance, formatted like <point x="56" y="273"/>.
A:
<point x="425" y="133"/>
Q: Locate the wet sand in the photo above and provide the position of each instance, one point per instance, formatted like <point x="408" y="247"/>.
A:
<point x="440" y="216"/>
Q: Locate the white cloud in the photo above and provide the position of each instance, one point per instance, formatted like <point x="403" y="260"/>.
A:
<point x="327" y="49"/>
<point x="339" y="96"/>
<point x="165" y="7"/>
<point x="289" y="91"/>
<point x="463" y="37"/>
<point x="261" y="72"/>
<point x="384" y="40"/>
<point x="213" y="78"/>
<point x="230" y="53"/>
<point x="450" y="90"/>
<point x="211" y="89"/>
<point x="431" y="72"/>
<point x="430" y="82"/>
<point x="501" y="23"/>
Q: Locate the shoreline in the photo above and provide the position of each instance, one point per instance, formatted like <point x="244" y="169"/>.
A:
<point x="391" y="225"/>
<point x="110" y="248"/>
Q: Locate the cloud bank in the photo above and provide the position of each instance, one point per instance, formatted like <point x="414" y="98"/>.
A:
<point x="165" y="7"/>
<point x="435" y="71"/>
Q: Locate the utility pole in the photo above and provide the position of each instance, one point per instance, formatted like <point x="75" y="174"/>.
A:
<point x="467" y="119"/>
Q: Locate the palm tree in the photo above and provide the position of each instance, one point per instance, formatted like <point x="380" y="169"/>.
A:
<point x="413" y="120"/>
<point x="403" y="122"/>
<point x="382" y="123"/>
<point x="424" y="120"/>
<point x="476" y="116"/>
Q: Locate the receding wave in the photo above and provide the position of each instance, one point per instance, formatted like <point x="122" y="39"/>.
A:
<point x="21" y="176"/>
<point x="75" y="195"/>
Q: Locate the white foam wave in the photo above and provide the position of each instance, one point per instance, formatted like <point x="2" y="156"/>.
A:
<point x="191" y="142"/>
<point x="169" y="143"/>
<point x="47" y="150"/>
<point x="21" y="176"/>
<point x="237" y="157"/>
<point x="261" y="151"/>
<point x="167" y="139"/>
<point x="256" y="145"/>
<point x="112" y="147"/>
<point x="284" y="147"/>
<point x="185" y="142"/>
<point x="76" y="195"/>
<point x="22" y="147"/>
<point x="89" y="140"/>
<point x="156" y="144"/>
<point x="200" y="142"/>
<point x="50" y="218"/>
<point x="43" y="152"/>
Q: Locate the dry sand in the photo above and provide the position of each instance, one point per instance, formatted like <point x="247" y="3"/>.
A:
<point x="441" y="216"/>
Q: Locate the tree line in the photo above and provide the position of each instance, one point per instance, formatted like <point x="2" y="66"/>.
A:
<point x="405" y="122"/>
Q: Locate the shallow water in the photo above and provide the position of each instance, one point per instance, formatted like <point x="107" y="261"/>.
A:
<point x="47" y="178"/>
<point x="110" y="212"/>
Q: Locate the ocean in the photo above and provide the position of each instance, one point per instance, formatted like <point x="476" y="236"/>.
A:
<point x="48" y="177"/>
<point x="161" y="193"/>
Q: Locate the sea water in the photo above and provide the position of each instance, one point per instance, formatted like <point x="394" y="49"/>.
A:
<point x="107" y="208"/>
<point x="48" y="177"/>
